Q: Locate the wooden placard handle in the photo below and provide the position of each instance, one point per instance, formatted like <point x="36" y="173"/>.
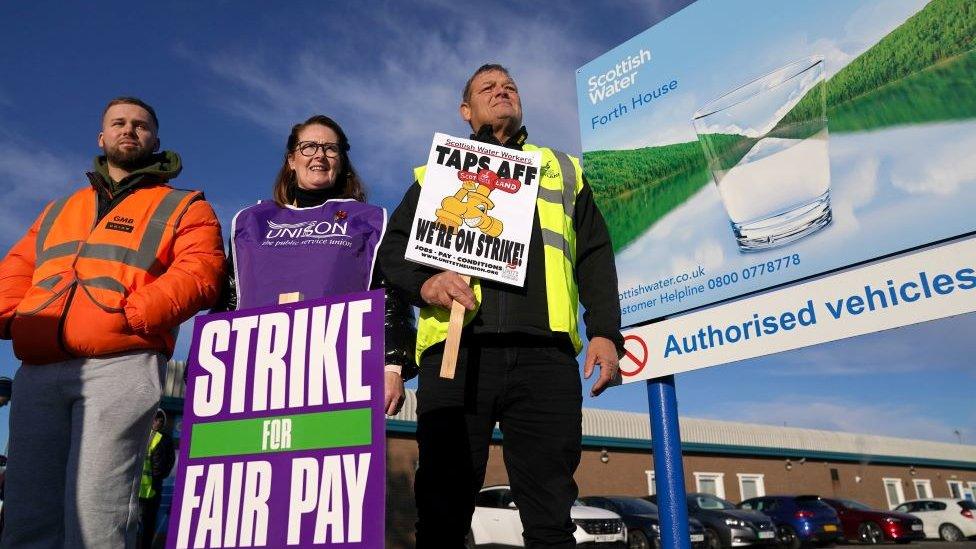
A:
<point x="290" y="297"/>
<point x="453" y="342"/>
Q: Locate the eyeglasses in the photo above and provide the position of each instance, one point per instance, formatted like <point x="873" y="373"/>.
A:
<point x="309" y="148"/>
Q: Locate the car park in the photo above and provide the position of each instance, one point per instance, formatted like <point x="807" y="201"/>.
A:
<point x="727" y="526"/>
<point x="799" y="519"/>
<point x="945" y="518"/>
<point x="866" y="525"/>
<point x="642" y="521"/>
<point x="496" y="522"/>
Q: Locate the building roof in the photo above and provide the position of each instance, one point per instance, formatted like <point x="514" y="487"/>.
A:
<point x="610" y="428"/>
<point x="614" y="429"/>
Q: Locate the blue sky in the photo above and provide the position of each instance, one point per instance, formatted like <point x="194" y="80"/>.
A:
<point x="229" y="79"/>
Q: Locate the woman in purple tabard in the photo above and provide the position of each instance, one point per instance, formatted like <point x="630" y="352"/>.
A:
<point x="318" y="237"/>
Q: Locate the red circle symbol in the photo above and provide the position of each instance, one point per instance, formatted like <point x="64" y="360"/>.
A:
<point x="639" y="361"/>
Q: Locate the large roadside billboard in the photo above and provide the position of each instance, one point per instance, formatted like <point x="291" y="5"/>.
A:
<point x="740" y="146"/>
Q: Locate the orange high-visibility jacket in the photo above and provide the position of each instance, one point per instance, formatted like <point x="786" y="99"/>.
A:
<point x="73" y="288"/>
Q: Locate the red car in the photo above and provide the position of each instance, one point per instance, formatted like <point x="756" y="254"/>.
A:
<point x="868" y="525"/>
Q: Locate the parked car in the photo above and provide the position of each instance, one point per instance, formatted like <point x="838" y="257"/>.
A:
<point x="725" y="525"/>
<point x="642" y="521"/>
<point x="862" y="523"/>
<point x="949" y="519"/>
<point x="496" y="522"/>
<point x="798" y="519"/>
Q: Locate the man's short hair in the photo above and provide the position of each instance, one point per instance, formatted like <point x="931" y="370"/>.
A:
<point x="487" y="67"/>
<point x="125" y="100"/>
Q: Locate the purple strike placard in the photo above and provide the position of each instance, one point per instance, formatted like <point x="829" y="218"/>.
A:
<point x="283" y="429"/>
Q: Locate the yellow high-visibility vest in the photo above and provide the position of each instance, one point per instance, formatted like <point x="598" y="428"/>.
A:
<point x="146" y="490"/>
<point x="560" y="181"/>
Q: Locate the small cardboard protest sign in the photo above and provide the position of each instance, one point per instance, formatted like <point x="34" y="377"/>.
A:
<point x="476" y="208"/>
<point x="283" y="428"/>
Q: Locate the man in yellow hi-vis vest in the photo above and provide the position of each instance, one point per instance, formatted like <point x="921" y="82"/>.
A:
<point x="517" y="362"/>
<point x="159" y="461"/>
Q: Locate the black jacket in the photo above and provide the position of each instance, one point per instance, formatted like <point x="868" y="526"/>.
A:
<point x="400" y="329"/>
<point x="159" y="168"/>
<point x="161" y="461"/>
<point x="510" y="309"/>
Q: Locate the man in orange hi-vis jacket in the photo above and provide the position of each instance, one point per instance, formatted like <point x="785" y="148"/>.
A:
<point x="92" y="297"/>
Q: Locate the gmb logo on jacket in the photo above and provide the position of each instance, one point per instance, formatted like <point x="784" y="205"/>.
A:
<point x="120" y="223"/>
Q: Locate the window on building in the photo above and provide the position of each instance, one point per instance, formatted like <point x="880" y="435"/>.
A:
<point x="751" y="485"/>
<point x="893" y="491"/>
<point x="971" y="494"/>
<point x="711" y="483"/>
<point x="651" y="489"/>
<point x="955" y="489"/>
<point x="923" y="488"/>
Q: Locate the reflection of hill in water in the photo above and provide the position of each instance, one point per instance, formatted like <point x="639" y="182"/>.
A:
<point x="943" y="92"/>
<point x="923" y="71"/>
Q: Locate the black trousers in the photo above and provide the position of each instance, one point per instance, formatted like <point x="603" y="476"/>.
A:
<point x="148" y="509"/>
<point x="531" y="387"/>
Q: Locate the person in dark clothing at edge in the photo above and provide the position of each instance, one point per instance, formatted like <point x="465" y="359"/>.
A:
<point x="517" y="359"/>
<point x="160" y="458"/>
<point x="318" y="184"/>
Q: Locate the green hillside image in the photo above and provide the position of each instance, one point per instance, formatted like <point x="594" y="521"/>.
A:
<point x="923" y="71"/>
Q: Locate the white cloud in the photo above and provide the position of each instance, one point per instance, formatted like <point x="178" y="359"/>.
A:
<point x="871" y="22"/>
<point x="690" y="234"/>
<point x="835" y="58"/>
<point x="940" y="172"/>
<point x="637" y="134"/>
<point x="854" y="183"/>
<point x="836" y="414"/>
<point x="29" y="178"/>
<point x="863" y="28"/>
<point x="937" y="346"/>
<point x="393" y="100"/>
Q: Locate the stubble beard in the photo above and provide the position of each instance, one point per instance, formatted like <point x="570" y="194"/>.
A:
<point x="130" y="160"/>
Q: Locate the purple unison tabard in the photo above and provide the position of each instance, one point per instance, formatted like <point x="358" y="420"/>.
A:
<point x="320" y="250"/>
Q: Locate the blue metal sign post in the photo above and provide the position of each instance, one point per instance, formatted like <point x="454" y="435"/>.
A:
<point x="669" y="473"/>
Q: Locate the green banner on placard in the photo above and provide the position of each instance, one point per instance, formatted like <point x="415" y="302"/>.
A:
<point x="283" y="433"/>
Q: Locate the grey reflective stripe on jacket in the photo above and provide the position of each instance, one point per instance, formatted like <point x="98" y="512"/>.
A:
<point x="59" y="250"/>
<point x="566" y="199"/>
<point x="145" y="257"/>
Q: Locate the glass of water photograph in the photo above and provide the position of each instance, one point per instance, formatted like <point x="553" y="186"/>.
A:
<point x="766" y="146"/>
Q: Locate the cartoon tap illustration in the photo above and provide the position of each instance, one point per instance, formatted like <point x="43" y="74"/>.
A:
<point x="470" y="205"/>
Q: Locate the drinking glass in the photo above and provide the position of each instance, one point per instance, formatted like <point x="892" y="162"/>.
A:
<point x="766" y="147"/>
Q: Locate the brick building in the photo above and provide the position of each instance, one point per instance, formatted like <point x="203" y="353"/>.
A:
<point x="732" y="460"/>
